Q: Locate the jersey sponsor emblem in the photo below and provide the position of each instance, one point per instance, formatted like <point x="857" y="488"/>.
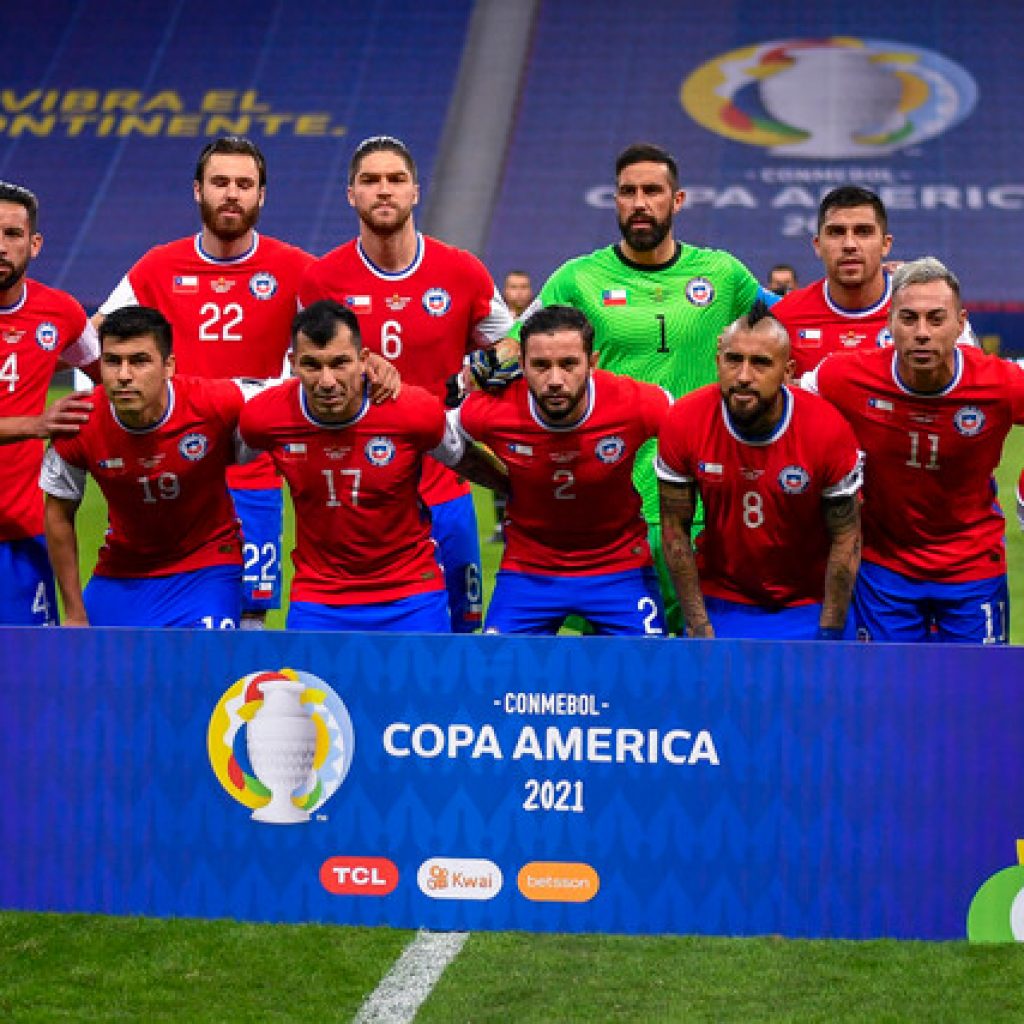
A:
<point x="520" y="449"/>
<point x="610" y="449"/>
<point x="436" y="301"/>
<point x="884" y="338"/>
<point x="151" y="461"/>
<point x="359" y="303"/>
<point x="185" y="284"/>
<point x="396" y="303"/>
<point x="794" y="479"/>
<point x="263" y="285"/>
<point x="337" y="451"/>
<point x="193" y="446"/>
<point x="850" y="339"/>
<point x="969" y="420"/>
<point x="700" y="291"/>
<point x="614" y="297"/>
<point x="47" y="336"/>
<point x="563" y="457"/>
<point x="12" y="336"/>
<point x="751" y="474"/>
<point x="380" y="450"/>
<point x="222" y="284"/>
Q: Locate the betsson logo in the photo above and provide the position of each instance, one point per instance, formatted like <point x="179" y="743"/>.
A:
<point x="558" y="882"/>
<point x="359" y="876"/>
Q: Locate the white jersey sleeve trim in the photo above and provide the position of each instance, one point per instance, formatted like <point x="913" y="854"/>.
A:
<point x="85" y="350"/>
<point x="453" y="445"/>
<point x="122" y="295"/>
<point x="60" y="479"/>
<point x="496" y="324"/>
<point x="850" y="484"/>
<point x="670" y="476"/>
<point x="809" y="380"/>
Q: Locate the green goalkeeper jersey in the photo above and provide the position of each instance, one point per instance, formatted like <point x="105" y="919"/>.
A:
<point x="657" y="324"/>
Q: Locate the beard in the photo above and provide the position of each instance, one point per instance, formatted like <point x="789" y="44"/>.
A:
<point x="646" y="235"/>
<point x="386" y="227"/>
<point x="214" y="223"/>
<point x="11" y="274"/>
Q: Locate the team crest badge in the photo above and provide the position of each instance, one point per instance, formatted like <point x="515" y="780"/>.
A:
<point x="47" y="336"/>
<point x="969" y="420"/>
<point x="194" y="446"/>
<point x="610" y="449"/>
<point x="700" y="291"/>
<point x="263" y="285"/>
<point x="380" y="450"/>
<point x="436" y="301"/>
<point x="794" y="479"/>
<point x="884" y="338"/>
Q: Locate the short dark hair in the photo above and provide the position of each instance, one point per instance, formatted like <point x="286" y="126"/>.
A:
<point x="381" y="144"/>
<point x="847" y="196"/>
<point x="136" y="322"/>
<point x="10" y="193"/>
<point x="648" y="152"/>
<point x="548" y="319"/>
<point x="319" y="322"/>
<point x="232" y="144"/>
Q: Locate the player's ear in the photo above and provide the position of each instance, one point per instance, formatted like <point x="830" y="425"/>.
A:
<point x="678" y="200"/>
<point x="291" y="361"/>
<point x="169" y="366"/>
<point x="263" y="195"/>
<point x="593" y="360"/>
<point x="886" y="244"/>
<point x="35" y="245"/>
<point x="416" y="195"/>
<point x="197" y="191"/>
<point x="351" y="196"/>
<point x="790" y="371"/>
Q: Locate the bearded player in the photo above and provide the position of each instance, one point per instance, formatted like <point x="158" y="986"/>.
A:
<point x="40" y="328"/>
<point x="779" y="471"/>
<point x="423" y="305"/>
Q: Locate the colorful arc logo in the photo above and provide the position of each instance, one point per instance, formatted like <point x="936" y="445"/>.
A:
<point x="830" y="99"/>
<point x="280" y="743"/>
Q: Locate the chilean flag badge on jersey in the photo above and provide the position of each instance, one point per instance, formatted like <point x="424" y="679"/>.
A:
<point x="359" y="303"/>
<point x="185" y="284"/>
<point x="614" y="297"/>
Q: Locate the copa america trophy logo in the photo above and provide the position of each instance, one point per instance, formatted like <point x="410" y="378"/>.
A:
<point x="830" y="98"/>
<point x="281" y="743"/>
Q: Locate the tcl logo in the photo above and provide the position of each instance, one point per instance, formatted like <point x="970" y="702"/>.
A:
<point x="359" y="876"/>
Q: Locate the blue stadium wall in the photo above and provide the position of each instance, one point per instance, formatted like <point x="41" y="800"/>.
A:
<point x="104" y="107"/>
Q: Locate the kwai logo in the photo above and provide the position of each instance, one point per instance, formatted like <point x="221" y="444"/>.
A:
<point x="281" y="744"/>
<point x="831" y="98"/>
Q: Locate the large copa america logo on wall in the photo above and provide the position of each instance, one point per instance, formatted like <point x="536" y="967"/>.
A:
<point x="281" y="743"/>
<point x="829" y="98"/>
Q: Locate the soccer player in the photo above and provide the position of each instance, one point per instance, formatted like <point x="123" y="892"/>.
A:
<point x="657" y="305"/>
<point x="848" y="308"/>
<point x="782" y="279"/>
<point x="158" y="445"/>
<point x="364" y="558"/>
<point x="517" y="291"/>
<point x="779" y="471"/>
<point x="39" y="328"/>
<point x="931" y="416"/>
<point x="230" y="294"/>
<point x="424" y="305"/>
<point x="576" y="542"/>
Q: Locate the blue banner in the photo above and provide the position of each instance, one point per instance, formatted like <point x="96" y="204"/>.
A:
<point x="556" y="784"/>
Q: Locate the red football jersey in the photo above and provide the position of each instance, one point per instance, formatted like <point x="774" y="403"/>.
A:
<point x="425" y="319"/>
<point x="1020" y="500"/>
<point x="573" y="507"/>
<point x="37" y="331"/>
<point x="362" y="534"/>
<point x="930" y="508"/>
<point x="231" y="317"/>
<point x="765" y="541"/>
<point x="818" y="326"/>
<point x="167" y="500"/>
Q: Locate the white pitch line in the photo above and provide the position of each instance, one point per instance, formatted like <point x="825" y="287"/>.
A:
<point x="404" y="989"/>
